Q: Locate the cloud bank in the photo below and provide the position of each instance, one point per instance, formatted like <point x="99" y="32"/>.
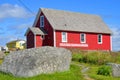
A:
<point x="13" y="33"/>
<point x="116" y="38"/>
<point x="14" y="20"/>
<point x="14" y="11"/>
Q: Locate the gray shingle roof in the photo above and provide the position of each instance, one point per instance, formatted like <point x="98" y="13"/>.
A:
<point x="71" y="21"/>
<point x="36" y="31"/>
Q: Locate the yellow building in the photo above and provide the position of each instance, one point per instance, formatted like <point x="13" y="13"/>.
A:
<point x="16" y="45"/>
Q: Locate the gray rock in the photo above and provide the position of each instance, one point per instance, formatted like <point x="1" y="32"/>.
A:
<point x="35" y="61"/>
<point x="115" y="69"/>
<point x="2" y="55"/>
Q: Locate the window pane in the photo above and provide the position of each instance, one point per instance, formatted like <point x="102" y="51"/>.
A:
<point x="43" y="37"/>
<point x="64" y="37"/>
<point x="99" y="38"/>
<point x="82" y="36"/>
<point x="41" y="21"/>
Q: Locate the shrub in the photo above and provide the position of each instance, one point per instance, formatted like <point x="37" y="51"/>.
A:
<point x="104" y="70"/>
<point x="6" y="52"/>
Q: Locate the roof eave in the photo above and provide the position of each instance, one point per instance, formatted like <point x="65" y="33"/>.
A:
<point x="27" y="32"/>
<point x="85" y="31"/>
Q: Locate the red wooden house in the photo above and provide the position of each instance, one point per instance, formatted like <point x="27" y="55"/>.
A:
<point x="70" y="30"/>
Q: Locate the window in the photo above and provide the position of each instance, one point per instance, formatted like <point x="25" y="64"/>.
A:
<point x="99" y="38"/>
<point x="41" y="21"/>
<point x="21" y="44"/>
<point x="83" y="38"/>
<point x="43" y="37"/>
<point x="64" y="37"/>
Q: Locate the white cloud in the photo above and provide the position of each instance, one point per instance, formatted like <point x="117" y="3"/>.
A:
<point x="21" y="29"/>
<point x="116" y="38"/>
<point x="13" y="33"/>
<point x="15" y="11"/>
<point x="5" y="39"/>
<point x="19" y="26"/>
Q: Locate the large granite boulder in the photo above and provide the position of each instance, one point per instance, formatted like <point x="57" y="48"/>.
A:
<point x="32" y="62"/>
<point x="2" y="55"/>
<point x="115" y="69"/>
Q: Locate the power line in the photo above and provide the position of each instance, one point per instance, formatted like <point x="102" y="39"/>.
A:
<point x="26" y="7"/>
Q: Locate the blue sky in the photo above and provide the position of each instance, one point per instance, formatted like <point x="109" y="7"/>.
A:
<point x="17" y="15"/>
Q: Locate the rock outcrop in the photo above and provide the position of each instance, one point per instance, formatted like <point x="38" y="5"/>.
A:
<point x="35" y="61"/>
<point x="115" y="69"/>
<point x="2" y="55"/>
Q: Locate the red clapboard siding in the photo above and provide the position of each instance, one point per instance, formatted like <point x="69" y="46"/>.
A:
<point x="30" y="40"/>
<point x="92" y="40"/>
<point x="73" y="40"/>
<point x="49" y="41"/>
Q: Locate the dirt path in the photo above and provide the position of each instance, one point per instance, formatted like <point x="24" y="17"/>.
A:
<point x="83" y="71"/>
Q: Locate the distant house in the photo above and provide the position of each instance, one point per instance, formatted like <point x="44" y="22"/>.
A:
<point x="3" y="48"/>
<point x="16" y="45"/>
<point x="69" y="30"/>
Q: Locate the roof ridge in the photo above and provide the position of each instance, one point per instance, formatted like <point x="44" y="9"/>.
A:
<point x="67" y="11"/>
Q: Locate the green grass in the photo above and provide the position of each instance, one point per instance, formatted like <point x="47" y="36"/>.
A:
<point x="93" y="74"/>
<point x="73" y="74"/>
<point x="92" y="59"/>
<point x="96" y="57"/>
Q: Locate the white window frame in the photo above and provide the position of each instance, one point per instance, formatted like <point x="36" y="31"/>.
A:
<point x="100" y="40"/>
<point x="84" y="38"/>
<point x="63" y="37"/>
<point x="42" y="21"/>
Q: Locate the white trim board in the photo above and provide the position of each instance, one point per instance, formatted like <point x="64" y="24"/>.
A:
<point x="54" y="35"/>
<point x="34" y="41"/>
<point x="111" y="42"/>
<point x="73" y="45"/>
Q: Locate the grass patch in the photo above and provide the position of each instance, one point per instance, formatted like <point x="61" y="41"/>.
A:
<point x="93" y="74"/>
<point x="96" y="60"/>
<point x="1" y="60"/>
<point x="73" y="74"/>
<point x="96" y="57"/>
